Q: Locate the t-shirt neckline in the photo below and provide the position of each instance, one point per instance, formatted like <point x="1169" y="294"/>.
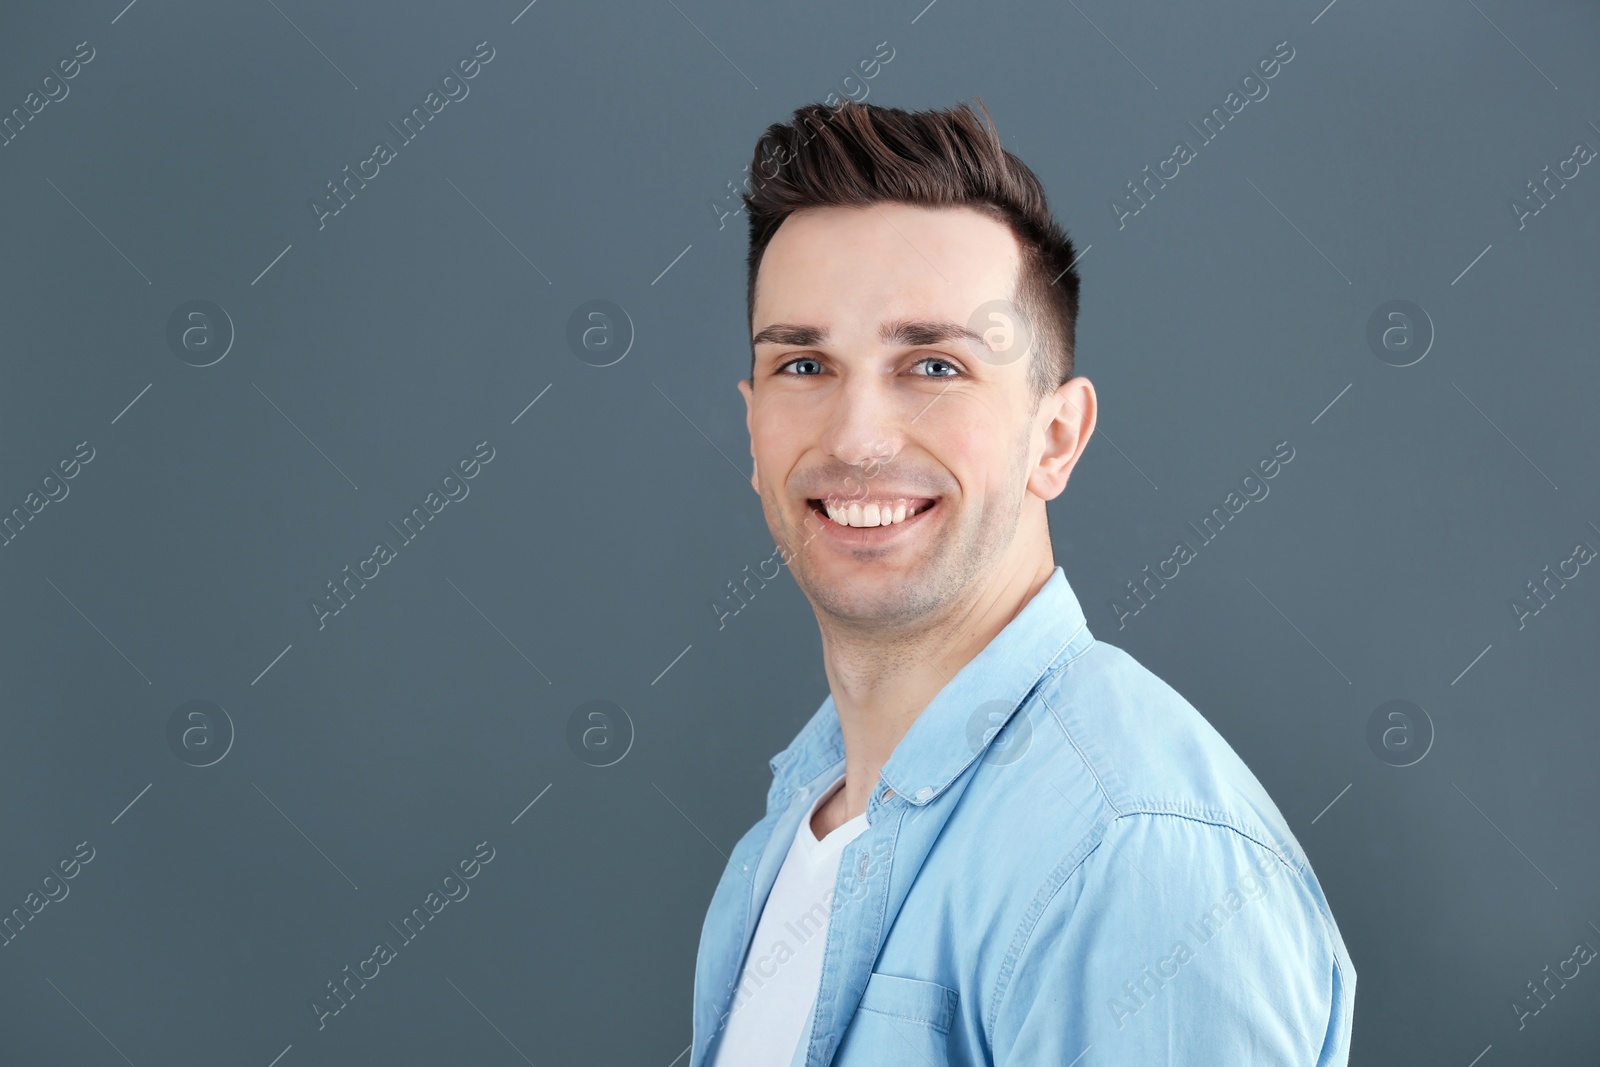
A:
<point x="841" y="833"/>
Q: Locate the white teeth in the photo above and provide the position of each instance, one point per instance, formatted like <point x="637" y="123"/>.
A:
<point x="874" y="514"/>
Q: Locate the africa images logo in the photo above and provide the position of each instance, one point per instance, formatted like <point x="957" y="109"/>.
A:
<point x="453" y="888"/>
<point x="455" y="89"/>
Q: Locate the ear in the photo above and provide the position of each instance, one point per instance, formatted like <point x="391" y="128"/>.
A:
<point x="746" y="390"/>
<point x="1068" y="420"/>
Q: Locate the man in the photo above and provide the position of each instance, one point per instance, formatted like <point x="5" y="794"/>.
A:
<point x="999" y="840"/>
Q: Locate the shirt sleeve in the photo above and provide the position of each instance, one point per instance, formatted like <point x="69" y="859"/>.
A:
<point x="1177" y="941"/>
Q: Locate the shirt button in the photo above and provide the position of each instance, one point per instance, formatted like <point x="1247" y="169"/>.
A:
<point x="924" y="793"/>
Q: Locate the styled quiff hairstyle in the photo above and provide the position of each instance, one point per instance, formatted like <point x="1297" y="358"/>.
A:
<point x="859" y="154"/>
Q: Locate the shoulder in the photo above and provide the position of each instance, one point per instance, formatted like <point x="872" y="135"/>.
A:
<point x="1107" y="721"/>
<point x="1142" y="828"/>
<point x="1194" y="919"/>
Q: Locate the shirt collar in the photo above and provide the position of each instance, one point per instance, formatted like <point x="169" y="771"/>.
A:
<point x="963" y="718"/>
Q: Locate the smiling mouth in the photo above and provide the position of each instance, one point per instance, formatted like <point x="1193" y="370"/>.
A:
<point x="881" y="512"/>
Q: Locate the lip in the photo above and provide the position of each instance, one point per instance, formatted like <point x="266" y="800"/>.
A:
<point x="870" y="536"/>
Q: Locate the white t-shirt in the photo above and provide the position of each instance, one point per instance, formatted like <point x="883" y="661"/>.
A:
<point x="772" y="1005"/>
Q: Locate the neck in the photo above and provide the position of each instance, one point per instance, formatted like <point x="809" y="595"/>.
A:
<point x="881" y="681"/>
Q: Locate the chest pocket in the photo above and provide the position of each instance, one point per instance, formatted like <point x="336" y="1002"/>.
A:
<point x="900" y="1020"/>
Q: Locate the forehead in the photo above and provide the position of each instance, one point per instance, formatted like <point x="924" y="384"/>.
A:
<point x="849" y="268"/>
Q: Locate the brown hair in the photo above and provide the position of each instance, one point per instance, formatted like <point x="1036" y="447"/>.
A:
<point x="857" y="154"/>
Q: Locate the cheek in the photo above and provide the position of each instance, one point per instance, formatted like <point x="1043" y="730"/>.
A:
<point x="972" y="441"/>
<point x="768" y="446"/>
<point x="776" y="463"/>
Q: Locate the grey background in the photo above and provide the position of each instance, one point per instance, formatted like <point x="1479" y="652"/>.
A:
<point x="587" y="160"/>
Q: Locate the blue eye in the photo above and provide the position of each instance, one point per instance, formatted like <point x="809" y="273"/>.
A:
<point x="954" y="371"/>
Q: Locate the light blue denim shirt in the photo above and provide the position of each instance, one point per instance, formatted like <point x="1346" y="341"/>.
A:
<point x="1065" y="864"/>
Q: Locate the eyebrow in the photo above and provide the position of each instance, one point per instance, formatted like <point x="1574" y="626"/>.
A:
<point x="909" y="332"/>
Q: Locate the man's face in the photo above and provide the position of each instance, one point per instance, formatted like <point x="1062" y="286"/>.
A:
<point x="858" y="396"/>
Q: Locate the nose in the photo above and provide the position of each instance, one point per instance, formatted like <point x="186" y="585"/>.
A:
<point x="865" y="427"/>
